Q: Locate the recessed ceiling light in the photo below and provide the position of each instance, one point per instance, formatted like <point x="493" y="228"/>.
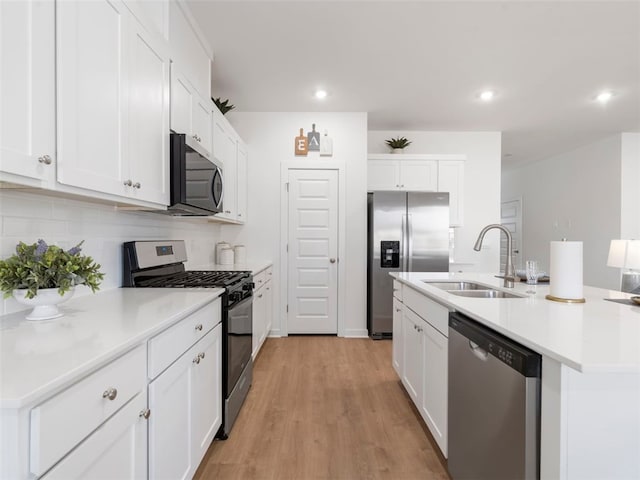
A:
<point x="320" y="94"/>
<point x="604" y="96"/>
<point x="487" y="95"/>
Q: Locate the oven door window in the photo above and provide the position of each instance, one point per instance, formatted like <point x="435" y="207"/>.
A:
<point x="240" y="329"/>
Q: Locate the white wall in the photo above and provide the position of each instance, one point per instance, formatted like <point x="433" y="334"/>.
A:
<point x="630" y="161"/>
<point x="270" y="138"/>
<point x="481" y="187"/>
<point x="27" y="217"/>
<point x="574" y="195"/>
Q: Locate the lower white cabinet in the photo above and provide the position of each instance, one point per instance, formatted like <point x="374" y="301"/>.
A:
<point x="117" y="449"/>
<point x="186" y="409"/>
<point x="420" y="357"/>
<point x="262" y="309"/>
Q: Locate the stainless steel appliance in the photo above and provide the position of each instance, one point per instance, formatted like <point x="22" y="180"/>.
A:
<point x="161" y="264"/>
<point x="196" y="183"/>
<point x="408" y="232"/>
<point x="494" y="405"/>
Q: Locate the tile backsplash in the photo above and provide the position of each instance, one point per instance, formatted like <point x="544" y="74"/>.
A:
<point x="26" y="217"/>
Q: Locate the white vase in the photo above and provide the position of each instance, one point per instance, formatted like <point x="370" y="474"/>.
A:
<point x="397" y="150"/>
<point x="45" y="302"/>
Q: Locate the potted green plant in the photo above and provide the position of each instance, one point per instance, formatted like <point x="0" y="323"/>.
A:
<point x="223" y="106"/>
<point x="44" y="276"/>
<point x="398" y="144"/>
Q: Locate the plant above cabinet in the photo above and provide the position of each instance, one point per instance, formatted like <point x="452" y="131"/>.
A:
<point x="223" y="106"/>
<point x="398" y="143"/>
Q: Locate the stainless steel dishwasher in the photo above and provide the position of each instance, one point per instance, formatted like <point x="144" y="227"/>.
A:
<point x="494" y="404"/>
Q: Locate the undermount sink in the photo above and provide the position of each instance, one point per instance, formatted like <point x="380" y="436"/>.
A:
<point x="457" y="285"/>
<point x="485" y="294"/>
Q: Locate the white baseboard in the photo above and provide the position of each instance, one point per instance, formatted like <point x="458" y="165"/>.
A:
<point x="356" y="333"/>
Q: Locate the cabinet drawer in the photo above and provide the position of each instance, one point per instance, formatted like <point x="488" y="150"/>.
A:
<point x="61" y="422"/>
<point x="434" y="313"/>
<point x="167" y="346"/>
<point x="260" y="279"/>
<point x="397" y="290"/>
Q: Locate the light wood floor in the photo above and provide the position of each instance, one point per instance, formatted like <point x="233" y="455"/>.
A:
<point x="325" y="408"/>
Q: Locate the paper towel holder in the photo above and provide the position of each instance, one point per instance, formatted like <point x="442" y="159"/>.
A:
<point x="564" y="300"/>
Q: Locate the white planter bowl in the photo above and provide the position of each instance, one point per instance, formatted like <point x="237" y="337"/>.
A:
<point x="45" y="303"/>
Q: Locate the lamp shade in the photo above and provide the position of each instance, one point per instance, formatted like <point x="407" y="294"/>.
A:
<point x="624" y="254"/>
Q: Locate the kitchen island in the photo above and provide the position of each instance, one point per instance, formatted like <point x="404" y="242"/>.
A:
<point x="590" y="386"/>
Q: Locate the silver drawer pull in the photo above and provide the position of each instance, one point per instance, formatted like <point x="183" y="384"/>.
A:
<point x="196" y="360"/>
<point x="260" y="296"/>
<point x="110" y="393"/>
<point x="128" y="183"/>
<point x="145" y="413"/>
<point x="199" y="327"/>
<point x="136" y="185"/>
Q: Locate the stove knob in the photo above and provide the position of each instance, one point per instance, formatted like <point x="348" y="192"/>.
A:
<point x="249" y="286"/>
<point x="235" y="296"/>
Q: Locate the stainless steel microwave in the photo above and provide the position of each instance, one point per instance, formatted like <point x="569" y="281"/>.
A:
<point x="196" y="181"/>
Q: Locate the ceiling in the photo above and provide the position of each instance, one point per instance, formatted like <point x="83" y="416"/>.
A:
<point x="421" y="65"/>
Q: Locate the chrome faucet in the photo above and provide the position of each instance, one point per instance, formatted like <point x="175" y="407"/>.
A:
<point x="509" y="271"/>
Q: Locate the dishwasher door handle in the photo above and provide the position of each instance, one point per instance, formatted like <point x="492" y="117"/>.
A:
<point x="481" y="353"/>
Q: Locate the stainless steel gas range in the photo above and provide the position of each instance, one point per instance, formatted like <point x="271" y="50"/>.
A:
<point x="161" y="264"/>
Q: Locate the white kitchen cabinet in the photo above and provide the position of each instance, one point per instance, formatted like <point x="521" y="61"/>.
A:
<point x="112" y="102"/>
<point x="433" y="406"/>
<point x="229" y="150"/>
<point x="398" y="353"/>
<point x="242" y="181"/>
<point x="117" y="449"/>
<point x="262" y="309"/>
<point x="27" y="92"/>
<point x="190" y="113"/>
<point x="416" y="175"/>
<point x="412" y="348"/>
<point x="451" y="179"/>
<point x="186" y="409"/>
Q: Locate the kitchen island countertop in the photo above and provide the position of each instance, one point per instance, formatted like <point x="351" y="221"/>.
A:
<point x="595" y="336"/>
<point x="37" y="358"/>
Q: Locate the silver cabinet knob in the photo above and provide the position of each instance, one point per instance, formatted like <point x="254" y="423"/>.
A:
<point x="398" y="185"/>
<point x="227" y="211"/>
<point x="128" y="183"/>
<point x="332" y="260"/>
<point x="239" y="214"/>
<point x="201" y="355"/>
<point x="260" y="296"/>
<point x="145" y="413"/>
<point x="46" y="159"/>
<point x="110" y="393"/>
<point x="199" y="327"/>
<point x="402" y="186"/>
<point x="137" y="185"/>
<point x="197" y="359"/>
<point x="398" y="310"/>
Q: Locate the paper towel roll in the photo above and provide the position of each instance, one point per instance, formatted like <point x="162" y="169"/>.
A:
<point x="565" y="270"/>
<point x="240" y="254"/>
<point x="226" y="256"/>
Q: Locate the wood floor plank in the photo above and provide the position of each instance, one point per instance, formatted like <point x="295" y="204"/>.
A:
<point x="325" y="408"/>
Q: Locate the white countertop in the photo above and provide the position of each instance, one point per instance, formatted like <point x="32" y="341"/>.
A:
<point x="595" y="336"/>
<point x="253" y="267"/>
<point x="37" y="358"/>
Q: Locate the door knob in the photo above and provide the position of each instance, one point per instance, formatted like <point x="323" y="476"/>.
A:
<point x="332" y="260"/>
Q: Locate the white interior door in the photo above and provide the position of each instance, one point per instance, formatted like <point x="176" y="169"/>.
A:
<point x="313" y="249"/>
<point x="511" y="217"/>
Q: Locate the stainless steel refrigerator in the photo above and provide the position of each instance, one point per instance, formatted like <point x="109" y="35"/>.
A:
<point x="408" y="232"/>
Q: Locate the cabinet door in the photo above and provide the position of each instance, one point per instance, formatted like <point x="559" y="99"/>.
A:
<point x="268" y="308"/>
<point x="207" y="393"/>
<point x="397" y="337"/>
<point x="383" y="175"/>
<point x="171" y="405"/>
<point x="92" y="95"/>
<point x="181" y="103"/>
<point x="202" y="122"/>
<point x="433" y="407"/>
<point x="219" y="134"/>
<point x="148" y="117"/>
<point x="419" y="175"/>
<point x="259" y="321"/>
<point x="27" y="89"/>
<point x="117" y="449"/>
<point x="412" y="375"/>
<point x="451" y="179"/>
<point x="242" y="182"/>
<point x="230" y="172"/>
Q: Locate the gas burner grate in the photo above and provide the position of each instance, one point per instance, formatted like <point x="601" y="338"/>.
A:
<point x="194" y="278"/>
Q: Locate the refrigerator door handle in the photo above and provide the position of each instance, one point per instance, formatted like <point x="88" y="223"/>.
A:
<point x="403" y="246"/>
<point x="409" y="243"/>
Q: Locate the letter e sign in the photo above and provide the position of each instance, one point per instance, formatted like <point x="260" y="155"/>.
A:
<point x="301" y="144"/>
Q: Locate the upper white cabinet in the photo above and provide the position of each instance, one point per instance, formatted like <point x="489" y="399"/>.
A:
<point x="451" y="179"/>
<point x="190" y="113"/>
<point x="111" y="76"/>
<point x="187" y="49"/>
<point x="243" y="191"/>
<point x="421" y="173"/>
<point x="27" y="92"/>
